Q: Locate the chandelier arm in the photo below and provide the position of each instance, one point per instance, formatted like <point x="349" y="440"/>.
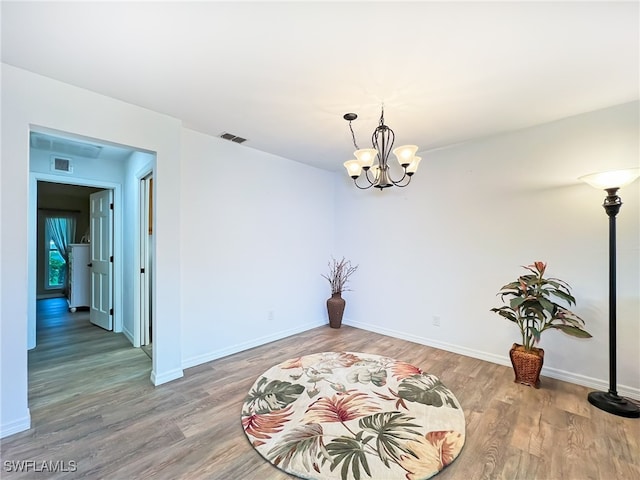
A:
<point x="366" y="175"/>
<point x="397" y="184"/>
<point x="355" y="182"/>
<point x="399" y="181"/>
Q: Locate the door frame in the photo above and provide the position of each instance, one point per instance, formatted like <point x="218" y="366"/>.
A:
<point x="147" y="171"/>
<point x="34" y="177"/>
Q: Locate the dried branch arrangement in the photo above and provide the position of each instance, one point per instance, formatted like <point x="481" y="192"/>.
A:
<point x="339" y="273"/>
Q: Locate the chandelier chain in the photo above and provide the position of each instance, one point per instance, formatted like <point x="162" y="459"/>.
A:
<point x="353" y="136"/>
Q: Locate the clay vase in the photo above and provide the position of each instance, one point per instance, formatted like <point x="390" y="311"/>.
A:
<point x="335" y="309"/>
<point x="527" y="364"/>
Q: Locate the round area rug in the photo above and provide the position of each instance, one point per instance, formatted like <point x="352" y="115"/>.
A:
<point x="352" y="415"/>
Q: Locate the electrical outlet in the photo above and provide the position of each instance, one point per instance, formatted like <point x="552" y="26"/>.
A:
<point x="271" y="316"/>
<point x="436" y="320"/>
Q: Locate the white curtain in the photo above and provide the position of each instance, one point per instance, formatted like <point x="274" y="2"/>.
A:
<point x="62" y="230"/>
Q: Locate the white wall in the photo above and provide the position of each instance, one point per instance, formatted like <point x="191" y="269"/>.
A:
<point x="257" y="232"/>
<point x="83" y="167"/>
<point x="30" y="101"/>
<point x="473" y="215"/>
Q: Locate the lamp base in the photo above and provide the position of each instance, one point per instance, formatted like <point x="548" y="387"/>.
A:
<point x="615" y="404"/>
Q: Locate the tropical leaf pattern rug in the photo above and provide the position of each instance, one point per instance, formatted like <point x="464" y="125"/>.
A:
<point x="346" y="415"/>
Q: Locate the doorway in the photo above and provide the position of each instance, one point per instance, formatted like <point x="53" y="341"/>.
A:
<point x="75" y="248"/>
<point x="105" y="167"/>
<point x="145" y="227"/>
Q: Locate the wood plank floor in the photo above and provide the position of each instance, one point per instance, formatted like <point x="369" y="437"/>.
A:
<point x="92" y="403"/>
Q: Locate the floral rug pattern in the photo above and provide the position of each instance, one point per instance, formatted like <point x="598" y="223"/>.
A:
<point x="352" y="416"/>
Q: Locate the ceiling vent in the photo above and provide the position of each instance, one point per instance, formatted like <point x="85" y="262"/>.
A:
<point x="61" y="165"/>
<point x="232" y="137"/>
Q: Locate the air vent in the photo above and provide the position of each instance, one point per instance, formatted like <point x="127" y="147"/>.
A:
<point x="232" y="137"/>
<point x="62" y="165"/>
<point x="64" y="146"/>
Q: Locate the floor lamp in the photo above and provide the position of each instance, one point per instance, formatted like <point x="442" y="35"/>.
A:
<point x="611" y="182"/>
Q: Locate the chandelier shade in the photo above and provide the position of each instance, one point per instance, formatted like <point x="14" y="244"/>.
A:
<point x="354" y="167"/>
<point x="405" y="154"/>
<point x="366" y="156"/>
<point x="374" y="162"/>
<point x="413" y="166"/>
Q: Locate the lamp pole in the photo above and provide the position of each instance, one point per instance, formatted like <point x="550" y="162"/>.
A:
<point x="610" y="401"/>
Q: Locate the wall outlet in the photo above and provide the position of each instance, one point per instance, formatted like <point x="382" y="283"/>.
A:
<point x="270" y="316"/>
<point x="436" y="320"/>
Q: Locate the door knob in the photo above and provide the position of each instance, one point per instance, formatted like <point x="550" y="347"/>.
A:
<point x="89" y="264"/>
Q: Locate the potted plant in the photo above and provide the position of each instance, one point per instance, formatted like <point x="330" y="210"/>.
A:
<point x="532" y="307"/>
<point x="338" y="276"/>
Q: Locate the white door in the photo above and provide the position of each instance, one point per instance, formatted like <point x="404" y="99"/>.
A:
<point x="101" y="217"/>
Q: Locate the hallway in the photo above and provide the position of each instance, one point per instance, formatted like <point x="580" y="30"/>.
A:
<point x="74" y="360"/>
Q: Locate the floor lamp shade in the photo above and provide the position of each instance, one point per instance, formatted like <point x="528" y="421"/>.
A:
<point x="612" y="179"/>
<point x="611" y="182"/>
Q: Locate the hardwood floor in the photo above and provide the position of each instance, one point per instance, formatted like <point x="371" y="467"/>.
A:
<point x="92" y="404"/>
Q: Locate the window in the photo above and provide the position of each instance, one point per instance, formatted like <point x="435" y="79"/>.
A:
<point x="55" y="270"/>
<point x="60" y="230"/>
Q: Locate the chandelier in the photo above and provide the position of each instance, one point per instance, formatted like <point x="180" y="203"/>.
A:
<point x="378" y="175"/>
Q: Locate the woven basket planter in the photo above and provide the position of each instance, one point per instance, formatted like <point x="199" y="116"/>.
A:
<point x="335" y="310"/>
<point x="527" y="364"/>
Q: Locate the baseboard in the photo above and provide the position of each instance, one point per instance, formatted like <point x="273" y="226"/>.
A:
<point x="129" y="336"/>
<point x="16" y="426"/>
<point x="166" y="376"/>
<point x="449" y="347"/>
<point x="596" y="383"/>
<point x="45" y="296"/>
<point x="256" y="342"/>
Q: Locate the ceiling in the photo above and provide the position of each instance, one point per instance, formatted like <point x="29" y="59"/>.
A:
<point x="282" y="74"/>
